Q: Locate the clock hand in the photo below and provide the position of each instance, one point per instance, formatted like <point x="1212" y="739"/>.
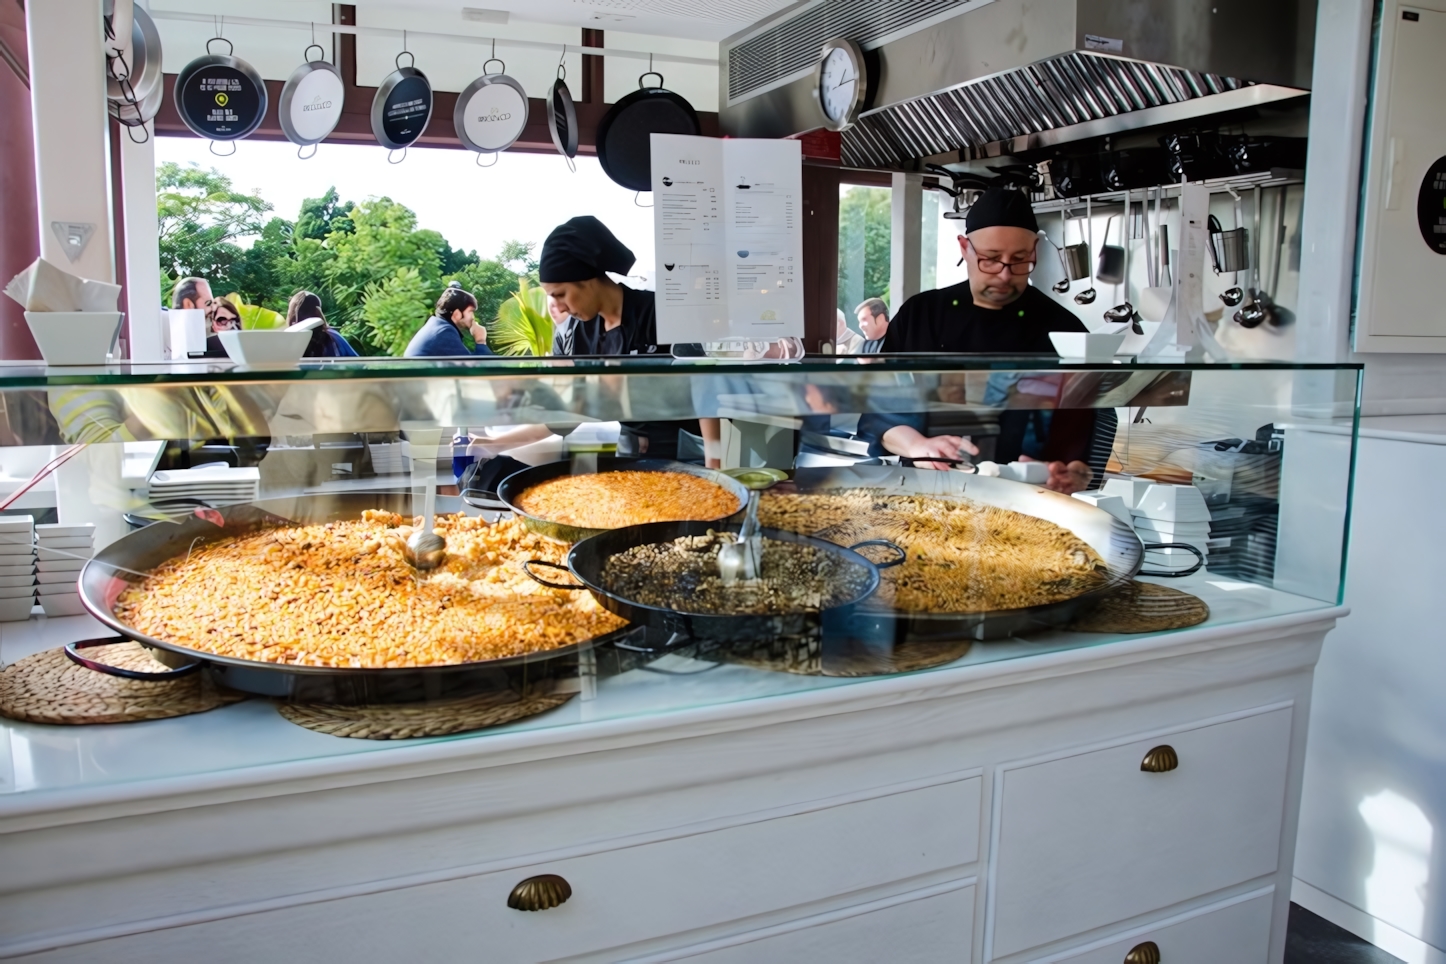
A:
<point x="846" y="80"/>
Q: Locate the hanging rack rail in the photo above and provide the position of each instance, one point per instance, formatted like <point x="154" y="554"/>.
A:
<point x="397" y="32"/>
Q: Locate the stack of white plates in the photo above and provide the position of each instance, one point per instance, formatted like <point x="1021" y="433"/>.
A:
<point x="213" y="485"/>
<point x="63" y="550"/>
<point x="17" y="567"/>
<point x="387" y="458"/>
<point x="1166" y="513"/>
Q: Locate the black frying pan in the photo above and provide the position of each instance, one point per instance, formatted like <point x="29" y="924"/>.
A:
<point x="587" y="559"/>
<point x="512" y="487"/>
<point x="624" y="144"/>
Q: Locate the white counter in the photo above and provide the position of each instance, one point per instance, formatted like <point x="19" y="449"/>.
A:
<point x="735" y="815"/>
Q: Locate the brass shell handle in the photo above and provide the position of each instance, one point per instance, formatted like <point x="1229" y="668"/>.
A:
<point x="1146" y="953"/>
<point x="542" y="892"/>
<point x="1162" y="759"/>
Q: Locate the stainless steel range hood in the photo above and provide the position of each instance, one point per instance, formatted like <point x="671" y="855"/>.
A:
<point x="965" y="78"/>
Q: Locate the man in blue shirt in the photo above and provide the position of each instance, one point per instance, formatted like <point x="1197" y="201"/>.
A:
<point x="441" y="336"/>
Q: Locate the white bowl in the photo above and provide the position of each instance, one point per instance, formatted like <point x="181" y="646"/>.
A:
<point x="1087" y="345"/>
<point x="265" y="347"/>
<point x="74" y="337"/>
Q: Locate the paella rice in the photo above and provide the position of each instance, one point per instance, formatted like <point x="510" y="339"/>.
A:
<point x="341" y="595"/>
<point x="613" y="500"/>
<point x="963" y="556"/>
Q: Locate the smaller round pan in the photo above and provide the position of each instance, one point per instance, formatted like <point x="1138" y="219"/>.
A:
<point x="510" y="489"/>
<point x="624" y="144"/>
<point x="588" y="558"/>
<point x="562" y="117"/>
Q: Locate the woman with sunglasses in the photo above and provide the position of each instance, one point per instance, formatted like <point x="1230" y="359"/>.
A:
<point x="997" y="311"/>
<point x="221" y="315"/>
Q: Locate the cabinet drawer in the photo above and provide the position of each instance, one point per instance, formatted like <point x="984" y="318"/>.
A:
<point x="923" y="931"/>
<point x="1087" y="840"/>
<point x="1237" y="931"/>
<point x="619" y="896"/>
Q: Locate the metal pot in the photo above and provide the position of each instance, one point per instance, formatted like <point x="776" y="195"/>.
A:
<point x="624" y="146"/>
<point x="1111" y="267"/>
<point x="402" y="106"/>
<point x="220" y="97"/>
<point x="491" y="112"/>
<point x="587" y="560"/>
<point x="312" y="100"/>
<point x="1229" y="250"/>
<point x="510" y="489"/>
<point x="135" y="98"/>
<point x="114" y="568"/>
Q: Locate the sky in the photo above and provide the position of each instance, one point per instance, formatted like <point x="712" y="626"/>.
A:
<point x="522" y="198"/>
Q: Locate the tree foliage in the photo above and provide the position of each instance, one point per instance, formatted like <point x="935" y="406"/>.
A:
<point x="377" y="274"/>
<point x="865" y="226"/>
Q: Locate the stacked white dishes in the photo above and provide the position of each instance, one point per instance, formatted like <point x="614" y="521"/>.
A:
<point x="63" y="551"/>
<point x="217" y="485"/>
<point x="17" y="567"/>
<point x="1166" y="513"/>
<point x="387" y="458"/>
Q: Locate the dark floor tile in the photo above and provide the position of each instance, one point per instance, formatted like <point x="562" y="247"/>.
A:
<point x="1315" y="940"/>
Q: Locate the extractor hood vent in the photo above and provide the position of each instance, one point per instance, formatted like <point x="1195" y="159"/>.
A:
<point x="1055" y="93"/>
<point x="793" y="45"/>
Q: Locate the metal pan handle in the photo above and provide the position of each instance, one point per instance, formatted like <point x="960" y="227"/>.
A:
<point x="887" y="545"/>
<point x="72" y="651"/>
<point x="1199" y="559"/>
<point x="909" y="462"/>
<point x="527" y="568"/>
<point x="482" y="499"/>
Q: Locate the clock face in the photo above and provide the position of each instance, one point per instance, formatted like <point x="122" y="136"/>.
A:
<point x="838" y="86"/>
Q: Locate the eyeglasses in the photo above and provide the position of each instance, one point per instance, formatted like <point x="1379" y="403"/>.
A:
<point x="226" y="322"/>
<point x="994" y="266"/>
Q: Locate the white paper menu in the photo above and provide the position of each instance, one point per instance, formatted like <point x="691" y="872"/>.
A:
<point x="727" y="226"/>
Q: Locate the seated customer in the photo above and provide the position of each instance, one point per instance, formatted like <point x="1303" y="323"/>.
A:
<point x="873" y="316"/>
<point x="326" y="341"/>
<point x="441" y="336"/>
<point x="222" y="315"/>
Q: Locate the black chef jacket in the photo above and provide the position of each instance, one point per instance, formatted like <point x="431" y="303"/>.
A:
<point x="947" y="320"/>
<point x="636" y="334"/>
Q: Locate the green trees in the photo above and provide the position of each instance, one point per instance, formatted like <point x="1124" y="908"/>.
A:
<point x="377" y="274"/>
<point x="864" y="227"/>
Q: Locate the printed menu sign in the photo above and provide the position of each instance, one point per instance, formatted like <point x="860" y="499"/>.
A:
<point x="727" y="219"/>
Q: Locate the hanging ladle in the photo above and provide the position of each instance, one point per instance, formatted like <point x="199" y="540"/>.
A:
<point x="1123" y="313"/>
<point x="1087" y="296"/>
<point x="1062" y="285"/>
<point x="424" y="549"/>
<point x="1235" y="294"/>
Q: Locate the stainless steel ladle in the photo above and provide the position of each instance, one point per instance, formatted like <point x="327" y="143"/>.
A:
<point x="1087" y="296"/>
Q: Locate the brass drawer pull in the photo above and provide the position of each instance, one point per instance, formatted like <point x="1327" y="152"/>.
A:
<point x="542" y="892"/>
<point x="1148" y="952"/>
<point x="1162" y="759"/>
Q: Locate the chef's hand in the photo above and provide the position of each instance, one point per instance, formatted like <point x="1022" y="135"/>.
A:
<point x="479" y="334"/>
<point x="1069" y="477"/>
<point x="915" y="445"/>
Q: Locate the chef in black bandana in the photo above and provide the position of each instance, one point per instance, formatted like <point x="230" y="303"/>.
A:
<point x="611" y="319"/>
<point x="996" y="311"/>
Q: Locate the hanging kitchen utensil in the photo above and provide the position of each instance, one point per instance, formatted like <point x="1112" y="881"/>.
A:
<point x="135" y="88"/>
<point x="1228" y="251"/>
<point x="1076" y="257"/>
<point x="1088" y="295"/>
<point x="491" y="111"/>
<point x="402" y="106"/>
<point x="624" y="137"/>
<point x="311" y="102"/>
<point x="1061" y="286"/>
<point x="220" y="96"/>
<point x="562" y="116"/>
<point x="1124" y="312"/>
<point x="1111" y="266"/>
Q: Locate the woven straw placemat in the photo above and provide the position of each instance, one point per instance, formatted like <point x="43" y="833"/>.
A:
<point x="808" y="656"/>
<point x="1142" y="607"/>
<point x="48" y="688"/>
<point x="401" y="721"/>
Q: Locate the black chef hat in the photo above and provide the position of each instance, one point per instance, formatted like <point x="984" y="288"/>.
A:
<point x="580" y="249"/>
<point x="1001" y="208"/>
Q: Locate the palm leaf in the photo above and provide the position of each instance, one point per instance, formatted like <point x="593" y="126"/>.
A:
<point x="523" y="325"/>
<point x="255" y="317"/>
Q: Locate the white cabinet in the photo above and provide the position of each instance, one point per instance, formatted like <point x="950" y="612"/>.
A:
<point x="1236" y="931"/>
<point x="1090" y="839"/>
<point x="1402" y="303"/>
<point x="974" y="814"/>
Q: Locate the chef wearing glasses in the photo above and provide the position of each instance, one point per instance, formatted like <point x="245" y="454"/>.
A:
<point x="996" y="311"/>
